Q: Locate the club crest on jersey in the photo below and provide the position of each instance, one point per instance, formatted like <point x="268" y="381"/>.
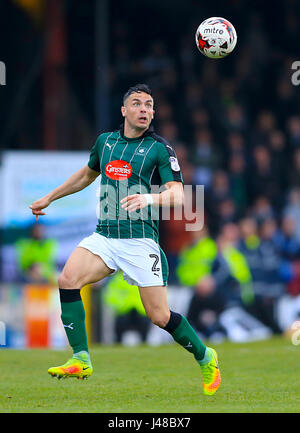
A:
<point x="140" y="151"/>
<point x="118" y="170"/>
<point x="174" y="163"/>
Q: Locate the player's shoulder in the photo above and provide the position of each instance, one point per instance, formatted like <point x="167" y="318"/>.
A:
<point x="163" y="143"/>
<point x="105" y="136"/>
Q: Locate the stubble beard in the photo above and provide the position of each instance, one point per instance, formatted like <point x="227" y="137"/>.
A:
<point x="138" y="128"/>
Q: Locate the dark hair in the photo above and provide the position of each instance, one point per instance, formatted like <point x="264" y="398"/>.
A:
<point x="137" y="88"/>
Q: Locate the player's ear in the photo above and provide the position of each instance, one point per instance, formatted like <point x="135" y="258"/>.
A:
<point x="153" y="112"/>
<point x="123" y="110"/>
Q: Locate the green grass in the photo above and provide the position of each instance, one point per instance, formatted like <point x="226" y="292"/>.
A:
<point x="256" y="377"/>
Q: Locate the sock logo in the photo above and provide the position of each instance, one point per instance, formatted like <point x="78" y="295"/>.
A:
<point x="188" y="346"/>
<point x="69" y="326"/>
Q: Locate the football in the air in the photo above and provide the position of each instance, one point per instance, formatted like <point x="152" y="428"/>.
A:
<point x="216" y="37"/>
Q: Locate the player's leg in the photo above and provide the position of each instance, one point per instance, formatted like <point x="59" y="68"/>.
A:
<point x="144" y="264"/>
<point x="83" y="267"/>
<point x="156" y="306"/>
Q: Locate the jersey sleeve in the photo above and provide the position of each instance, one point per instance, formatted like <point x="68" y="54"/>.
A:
<point x="94" y="162"/>
<point x="168" y="165"/>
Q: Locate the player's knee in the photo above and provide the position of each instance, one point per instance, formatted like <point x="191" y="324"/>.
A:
<point x="160" y="318"/>
<point x="66" y="281"/>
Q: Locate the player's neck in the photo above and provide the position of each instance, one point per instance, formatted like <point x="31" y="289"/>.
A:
<point x="131" y="132"/>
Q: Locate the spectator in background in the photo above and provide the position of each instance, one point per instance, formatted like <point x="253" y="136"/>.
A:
<point x="266" y="123"/>
<point x="168" y="82"/>
<point x="158" y="60"/>
<point x="196" y="259"/>
<point x="236" y="144"/>
<point x="122" y="64"/>
<point x="286" y="103"/>
<point x="235" y="119"/>
<point x="187" y="58"/>
<point x="285" y="240"/>
<point x="277" y="147"/>
<point x="169" y="131"/>
<point x="293" y="127"/>
<point x="238" y="181"/>
<point x="294" y="173"/>
<point x="292" y="209"/>
<point x="228" y="90"/>
<point x="194" y="270"/>
<point x="262" y="209"/>
<point x="218" y="200"/>
<point x="249" y="245"/>
<point x="204" y="309"/>
<point x="164" y="113"/>
<point x="206" y="157"/>
<point x="228" y="242"/>
<point x="130" y="316"/>
<point x="289" y="249"/>
<point x="265" y="180"/>
<point x="268" y="281"/>
<point x="204" y="149"/>
<point x="217" y="305"/>
<point x="36" y="257"/>
<point x="220" y="188"/>
<point x="193" y="96"/>
<point x="200" y="120"/>
<point x="227" y="212"/>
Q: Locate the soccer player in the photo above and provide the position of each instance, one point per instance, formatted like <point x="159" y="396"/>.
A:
<point x="126" y="159"/>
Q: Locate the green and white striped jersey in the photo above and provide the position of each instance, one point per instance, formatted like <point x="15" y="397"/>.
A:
<point x="127" y="166"/>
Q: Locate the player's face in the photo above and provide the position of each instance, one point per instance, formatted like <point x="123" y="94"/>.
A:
<point x="138" y="110"/>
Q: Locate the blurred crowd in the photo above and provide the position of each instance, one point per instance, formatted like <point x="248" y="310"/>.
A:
<point x="235" y="126"/>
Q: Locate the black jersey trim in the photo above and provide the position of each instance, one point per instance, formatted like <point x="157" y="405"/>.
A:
<point x="95" y="167"/>
<point x="171" y="152"/>
<point x="148" y="132"/>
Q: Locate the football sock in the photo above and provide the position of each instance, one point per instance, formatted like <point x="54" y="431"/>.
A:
<point x="182" y="332"/>
<point x="73" y="318"/>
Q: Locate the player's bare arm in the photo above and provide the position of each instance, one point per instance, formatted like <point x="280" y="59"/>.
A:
<point x="77" y="182"/>
<point x="172" y="196"/>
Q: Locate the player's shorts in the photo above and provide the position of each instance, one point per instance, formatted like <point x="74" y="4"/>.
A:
<point x="142" y="261"/>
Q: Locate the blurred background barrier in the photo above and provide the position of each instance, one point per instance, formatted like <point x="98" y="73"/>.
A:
<point x="24" y="177"/>
<point x="234" y="124"/>
<point x="30" y="313"/>
<point x="30" y="316"/>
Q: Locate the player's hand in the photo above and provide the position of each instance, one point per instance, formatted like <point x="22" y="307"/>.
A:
<point x="134" y="202"/>
<point x="38" y="205"/>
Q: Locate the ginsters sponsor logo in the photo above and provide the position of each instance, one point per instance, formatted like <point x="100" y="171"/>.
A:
<point x="118" y="170"/>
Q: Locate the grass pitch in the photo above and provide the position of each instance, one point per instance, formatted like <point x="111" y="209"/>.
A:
<point x="256" y="377"/>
